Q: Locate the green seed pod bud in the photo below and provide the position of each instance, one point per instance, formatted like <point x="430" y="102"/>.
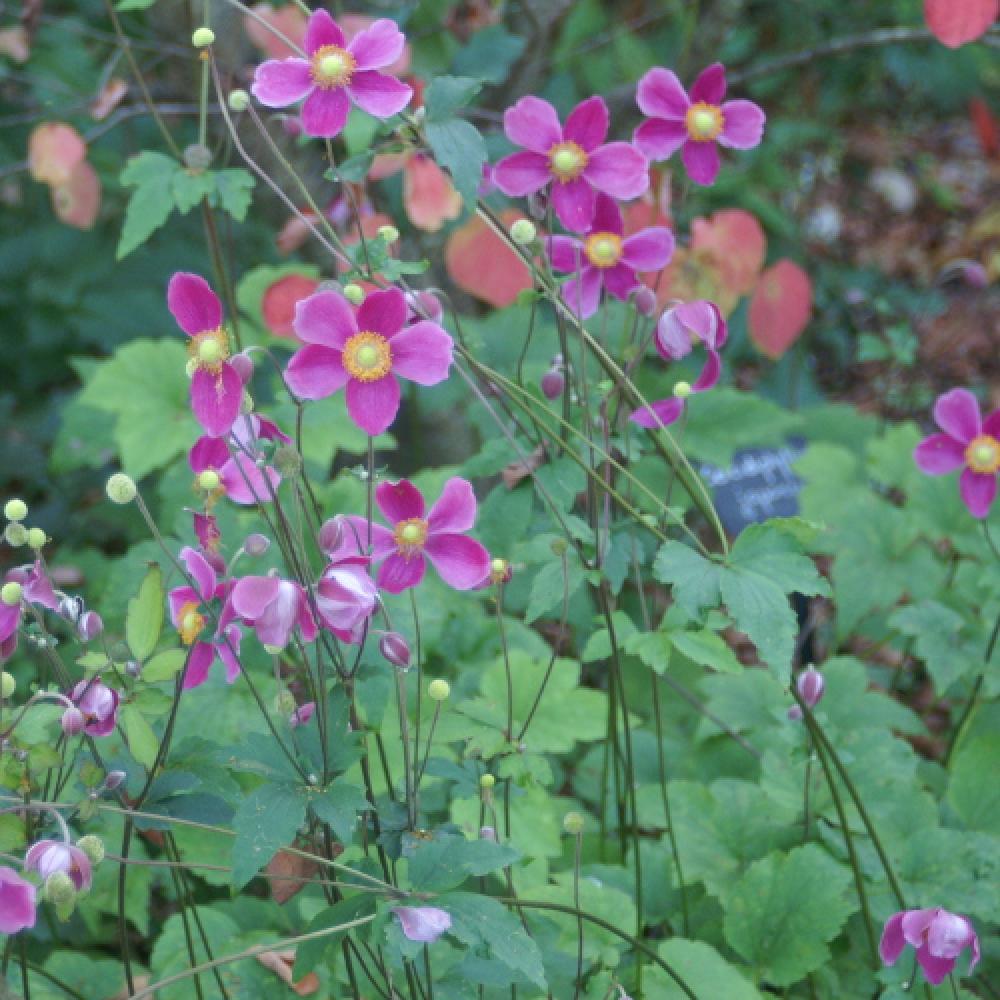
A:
<point x="37" y="538"/>
<point x="523" y="232"/>
<point x="239" y="100"/>
<point x="16" y="534"/>
<point x="487" y="781"/>
<point x="201" y="38"/>
<point x="208" y="480"/>
<point x="93" y="847"/>
<point x="573" y="823"/>
<point x="559" y="546"/>
<point x="10" y="593"/>
<point x="439" y="690"/>
<point x="354" y="294"/>
<point x="15" y="510"/>
<point x="59" y="889"/>
<point x="287" y="462"/>
<point x="682" y="390"/>
<point x="7" y="685"/>
<point x="284" y="703"/>
<point x="121" y="488"/>
<point x="197" y="157"/>
<point x="389" y="233"/>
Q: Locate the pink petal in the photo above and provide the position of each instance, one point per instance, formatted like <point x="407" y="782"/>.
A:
<point x="455" y="509"/>
<point x="587" y="124"/>
<point x="607" y="216"/>
<point x="949" y="935"/>
<point x="649" y="249"/>
<point x="193" y="303"/>
<point x="251" y="596"/>
<point x="619" y="281"/>
<point x="198" y="567"/>
<point x="324" y="113"/>
<point x="461" y="561"/>
<point x="583" y="294"/>
<point x="521" y="173"/>
<point x="710" y="372"/>
<point x="618" y="169"/>
<point x="978" y="491"/>
<point x="380" y="95"/>
<point x="702" y="319"/>
<point x="573" y="203"/>
<point x="228" y="653"/>
<point x="280" y="82"/>
<point x="399" y="501"/>
<point x="565" y="253"/>
<point x="10" y="618"/>
<point x="710" y="86"/>
<point x="379" y="45"/>
<point x="383" y="312"/>
<point x="245" y="483"/>
<point x="661" y="95"/>
<point x="199" y="662"/>
<point x="373" y="405"/>
<point x="892" y="944"/>
<point x="422" y="923"/>
<point x="939" y="454"/>
<point x="208" y="453"/>
<point x="383" y="543"/>
<point x="991" y="425"/>
<point x="957" y="414"/>
<point x="177" y="598"/>
<point x="702" y="162"/>
<point x="743" y="125"/>
<point x="324" y="318"/>
<point x="664" y="411"/>
<point x="18" y="895"/>
<point x="533" y="124"/>
<point x="659" y="139"/>
<point x="422" y="353"/>
<point x="322" y="30"/>
<point x="398" y="573"/>
<point x="316" y="372"/>
<point x="216" y="399"/>
<point x="915" y="924"/>
<point x="935" y="969"/>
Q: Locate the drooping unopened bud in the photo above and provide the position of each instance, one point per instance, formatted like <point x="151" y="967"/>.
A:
<point x="16" y="534"/>
<point x="72" y="721"/>
<point x="811" y="685"/>
<point x="523" y="232"/>
<point x="573" y="823"/>
<point x="15" y="510"/>
<point x="90" y="626"/>
<point x="256" y="544"/>
<point x="239" y="100"/>
<point x="201" y="38"/>
<point x="120" y="488"/>
<point x="243" y="365"/>
<point x="553" y="383"/>
<point x="354" y="294"/>
<point x="438" y="690"/>
<point x="93" y="847"/>
<point x="114" y="780"/>
<point x="7" y="685"/>
<point x="395" y="649"/>
<point x="645" y="301"/>
<point x="331" y="534"/>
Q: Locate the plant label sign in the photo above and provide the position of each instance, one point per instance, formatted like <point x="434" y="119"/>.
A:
<point x="757" y="485"/>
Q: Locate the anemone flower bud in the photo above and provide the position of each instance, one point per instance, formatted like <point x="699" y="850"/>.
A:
<point x="422" y="923"/>
<point x="811" y="685"/>
<point x="487" y="833"/>
<point x="73" y="721"/>
<point x="331" y="534"/>
<point x="395" y="649"/>
<point x="256" y="544"/>
<point x="553" y="383"/>
<point x="52" y="857"/>
<point x="90" y="626"/>
<point x="114" y="779"/>
<point x="645" y="301"/>
<point x="243" y="365"/>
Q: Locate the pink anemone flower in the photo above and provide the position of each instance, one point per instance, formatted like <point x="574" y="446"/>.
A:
<point x="186" y="604"/>
<point x="365" y="351"/>
<point x="346" y="596"/>
<point x="50" y="856"/>
<point x="422" y="923"/>
<point x="416" y="536"/>
<point x="606" y="259"/>
<point x="36" y="588"/>
<point x="696" y="123"/>
<point x="969" y="443"/>
<point x="335" y="74"/>
<point x="574" y="158"/>
<point x="17" y="902"/>
<point x="272" y="607"/>
<point x="241" y="478"/>
<point x="938" y="936"/>
<point x="216" y="387"/>
<point x="678" y="329"/>
<point x="98" y="704"/>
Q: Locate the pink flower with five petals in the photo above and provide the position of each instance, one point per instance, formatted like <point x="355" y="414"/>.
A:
<point x="938" y="936"/>
<point x="365" y="351"/>
<point x="696" y="123"/>
<point x="335" y="74"/>
<point x="573" y="158"/>
<point x="272" y="607"/>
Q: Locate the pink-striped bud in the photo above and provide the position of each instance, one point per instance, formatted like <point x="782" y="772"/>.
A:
<point x="243" y="364"/>
<point x="73" y="721"/>
<point x="395" y="649"/>
<point x="256" y="544"/>
<point x="89" y="626"/>
<point x="553" y="383"/>
<point x="811" y="685"/>
<point x="645" y="301"/>
<point x="331" y="534"/>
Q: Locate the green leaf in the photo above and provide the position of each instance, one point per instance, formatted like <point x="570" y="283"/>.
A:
<point x="459" y="148"/>
<point x="783" y="911"/>
<point x="126" y="5"/>
<point x="233" y="191"/>
<point x="936" y="628"/>
<point x="309" y="954"/>
<point x="447" y="862"/>
<point x="144" y="618"/>
<point x="704" y="971"/>
<point x="190" y="188"/>
<point x="551" y="584"/>
<point x="973" y="796"/>
<point x="267" y="820"/>
<point x="164" y="666"/>
<point x="446" y="94"/>
<point x="490" y="54"/>
<point x="339" y="806"/>
<point x="150" y="204"/>
<point x="707" y="648"/>
<point x="142" y="741"/>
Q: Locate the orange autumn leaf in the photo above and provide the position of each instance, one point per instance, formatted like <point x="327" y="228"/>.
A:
<point x="281" y="964"/>
<point x="278" y="304"/>
<point x="736" y="241"/>
<point x="109" y="97"/>
<point x="955" y="22"/>
<point x="54" y="150"/>
<point x="481" y="264"/>
<point x="289" y="20"/>
<point x="429" y="197"/>
<point x="78" y="200"/>
<point x="780" y="308"/>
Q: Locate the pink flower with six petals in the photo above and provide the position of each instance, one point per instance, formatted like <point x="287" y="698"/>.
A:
<point x="336" y="73"/>
<point x="606" y="259"/>
<point x="574" y="158"/>
<point x="365" y="351"/>
<point x="415" y="536"/>
<point x="694" y="124"/>
<point x="969" y="443"/>
<point x="938" y="936"/>
<point x="216" y="387"/>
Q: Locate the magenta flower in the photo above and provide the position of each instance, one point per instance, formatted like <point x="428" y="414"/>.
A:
<point x="336" y="74"/>
<point x="696" y="123"/>
<point x="17" y="902"/>
<point x="365" y="351"/>
<point x="574" y="158"/>
<point x="50" y="856"/>
<point x="422" y="923"/>
<point x="938" y="936"/>
<point x="216" y="386"/>
<point x="32" y="587"/>
<point x="272" y="607"/>
<point x="186" y="604"/>
<point x="346" y="596"/>
<point x="678" y="329"/>
<point x="606" y="259"/>
<point x="439" y="536"/>
<point x="968" y="443"/>
<point x="98" y="704"/>
<point x="302" y="714"/>
<point x="241" y="477"/>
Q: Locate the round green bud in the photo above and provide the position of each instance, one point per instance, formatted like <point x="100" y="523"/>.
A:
<point x="197" y="157"/>
<point x="120" y="488"/>
<point x="388" y="233"/>
<point x="523" y="232"/>
<point x="354" y="294"/>
<point x="201" y="38"/>
<point x="284" y="703"/>
<point x="573" y="823"/>
<point x="487" y="781"/>
<point x="10" y="593"/>
<point x="239" y="100"/>
<point x="37" y="538"/>
<point x="15" y="510"/>
<point x="209" y="480"/>
<point x="93" y="847"/>
<point x="7" y="685"/>
<point x="682" y="390"/>
<point x="559" y="546"/>
<point x="59" y="888"/>
<point x="287" y="461"/>
<point x="16" y="534"/>
<point x="438" y="690"/>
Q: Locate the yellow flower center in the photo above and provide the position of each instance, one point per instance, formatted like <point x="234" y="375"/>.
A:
<point x="603" y="249"/>
<point x="983" y="454"/>
<point x="191" y="623"/>
<point x="209" y="350"/>
<point x="332" y="66"/>
<point x="367" y="356"/>
<point x="410" y="535"/>
<point x="567" y="161"/>
<point x="703" y="121"/>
